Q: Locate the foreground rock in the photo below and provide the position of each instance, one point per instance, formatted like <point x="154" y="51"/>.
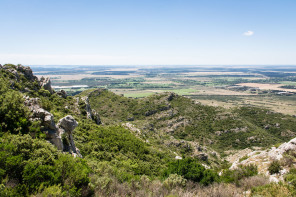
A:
<point x="61" y="135"/>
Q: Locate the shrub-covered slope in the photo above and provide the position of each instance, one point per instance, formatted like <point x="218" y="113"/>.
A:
<point x="133" y="152"/>
<point x="171" y="115"/>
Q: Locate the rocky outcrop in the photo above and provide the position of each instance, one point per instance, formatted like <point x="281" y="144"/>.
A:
<point x="202" y="156"/>
<point x="132" y="127"/>
<point x="62" y="94"/>
<point x="235" y="130"/>
<point x="263" y="159"/>
<point x="68" y="124"/>
<point x="171" y="96"/>
<point x="39" y="114"/>
<point x="61" y="134"/>
<point x="27" y="72"/>
<point x="176" y="123"/>
<point x="19" y="70"/>
<point x="66" y="127"/>
<point x="46" y="84"/>
<point x="90" y="113"/>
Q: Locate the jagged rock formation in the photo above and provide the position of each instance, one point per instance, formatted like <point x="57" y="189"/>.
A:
<point x="46" y="84"/>
<point x="66" y="127"/>
<point x="23" y="74"/>
<point x="90" y="113"/>
<point x="61" y="134"/>
<point x="20" y="75"/>
<point x="18" y="70"/>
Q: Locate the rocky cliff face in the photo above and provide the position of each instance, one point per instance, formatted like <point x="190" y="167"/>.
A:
<point x="61" y="134"/>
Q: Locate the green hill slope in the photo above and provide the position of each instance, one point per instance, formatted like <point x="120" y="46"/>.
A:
<point x="171" y="115"/>
<point x="136" y="151"/>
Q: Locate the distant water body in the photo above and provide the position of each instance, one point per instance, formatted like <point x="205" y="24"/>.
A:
<point x="64" y="87"/>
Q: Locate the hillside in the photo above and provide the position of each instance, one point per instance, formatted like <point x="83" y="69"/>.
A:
<point x="98" y="143"/>
<point x="168" y="115"/>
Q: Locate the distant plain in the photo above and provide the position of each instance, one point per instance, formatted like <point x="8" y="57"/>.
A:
<point x="228" y="87"/>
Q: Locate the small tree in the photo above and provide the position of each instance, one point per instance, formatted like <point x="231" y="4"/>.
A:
<point x="274" y="167"/>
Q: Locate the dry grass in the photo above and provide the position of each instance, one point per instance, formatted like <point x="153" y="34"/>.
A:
<point x="275" y="104"/>
<point x="254" y="181"/>
<point x="272" y="190"/>
<point x="145" y="187"/>
<point x="264" y="86"/>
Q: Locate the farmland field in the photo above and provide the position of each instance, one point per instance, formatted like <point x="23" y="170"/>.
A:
<point x="228" y="87"/>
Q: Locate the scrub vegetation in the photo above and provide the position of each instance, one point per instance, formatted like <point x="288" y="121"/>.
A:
<point x="161" y="145"/>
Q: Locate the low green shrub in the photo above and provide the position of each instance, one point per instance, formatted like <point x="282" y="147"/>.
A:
<point x="274" y="167"/>
<point x="191" y="169"/>
<point x="233" y="176"/>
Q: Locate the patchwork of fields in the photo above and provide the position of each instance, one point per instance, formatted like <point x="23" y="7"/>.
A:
<point x="218" y="86"/>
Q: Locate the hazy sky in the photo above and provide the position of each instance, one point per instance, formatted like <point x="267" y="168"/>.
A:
<point x="145" y="32"/>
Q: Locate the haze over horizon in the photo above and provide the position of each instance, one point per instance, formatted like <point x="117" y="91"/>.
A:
<point x="163" y="32"/>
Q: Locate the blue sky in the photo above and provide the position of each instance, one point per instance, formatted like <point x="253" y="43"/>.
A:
<point x="148" y="32"/>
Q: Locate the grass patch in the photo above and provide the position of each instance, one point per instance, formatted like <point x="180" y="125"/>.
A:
<point x="183" y="91"/>
<point x="138" y="94"/>
<point x="243" y="158"/>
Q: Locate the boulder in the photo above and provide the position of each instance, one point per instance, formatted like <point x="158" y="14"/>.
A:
<point x="202" y="156"/>
<point x="171" y="96"/>
<point x="62" y="94"/>
<point x="49" y="121"/>
<point x="178" y="157"/>
<point x="68" y="123"/>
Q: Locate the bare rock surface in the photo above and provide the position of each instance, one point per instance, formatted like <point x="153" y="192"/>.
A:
<point x="19" y="70"/>
<point x="68" y="123"/>
<point x="263" y="159"/>
<point x="62" y="93"/>
<point x="90" y="113"/>
<point x="54" y="133"/>
<point x="27" y="71"/>
<point x="46" y="84"/>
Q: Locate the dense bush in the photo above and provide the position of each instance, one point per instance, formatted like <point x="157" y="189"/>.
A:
<point x="31" y="165"/>
<point x="191" y="169"/>
<point x="274" y="167"/>
<point x="129" y="155"/>
<point x="13" y="114"/>
<point x="233" y="176"/>
<point x="291" y="177"/>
